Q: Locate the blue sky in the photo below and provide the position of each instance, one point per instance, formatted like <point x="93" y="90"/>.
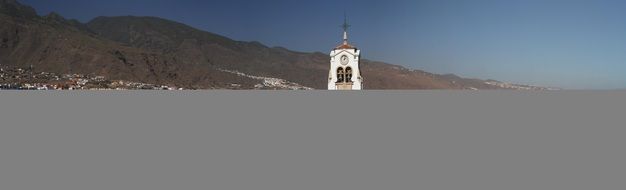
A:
<point x="573" y="44"/>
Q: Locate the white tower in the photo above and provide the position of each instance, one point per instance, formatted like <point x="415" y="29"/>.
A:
<point x="345" y="73"/>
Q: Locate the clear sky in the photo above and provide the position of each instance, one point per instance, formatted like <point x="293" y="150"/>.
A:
<point x="573" y="44"/>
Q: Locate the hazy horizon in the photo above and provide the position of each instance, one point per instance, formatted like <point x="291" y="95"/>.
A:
<point x="571" y="44"/>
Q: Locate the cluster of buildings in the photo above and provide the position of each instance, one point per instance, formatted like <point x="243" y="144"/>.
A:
<point x="510" y="86"/>
<point x="268" y="83"/>
<point x="12" y="78"/>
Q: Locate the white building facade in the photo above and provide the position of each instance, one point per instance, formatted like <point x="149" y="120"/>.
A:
<point x="345" y="72"/>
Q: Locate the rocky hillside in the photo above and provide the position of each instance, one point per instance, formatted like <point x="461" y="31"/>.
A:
<point x="53" y="44"/>
<point x="204" y="48"/>
<point x="158" y="51"/>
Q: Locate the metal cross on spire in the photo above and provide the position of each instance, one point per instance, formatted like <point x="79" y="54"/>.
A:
<point x="345" y="25"/>
<point x="345" y="28"/>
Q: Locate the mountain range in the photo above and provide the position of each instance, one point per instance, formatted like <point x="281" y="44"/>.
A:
<point x="159" y="51"/>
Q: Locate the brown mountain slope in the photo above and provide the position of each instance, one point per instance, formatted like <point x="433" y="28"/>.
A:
<point x="159" y="51"/>
<point x="310" y="69"/>
<point x="54" y="44"/>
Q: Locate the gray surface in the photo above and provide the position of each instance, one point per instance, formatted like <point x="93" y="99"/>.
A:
<point x="257" y="140"/>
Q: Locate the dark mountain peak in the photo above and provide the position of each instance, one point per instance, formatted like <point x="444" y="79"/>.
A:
<point x="9" y="2"/>
<point x="147" y="22"/>
<point x="130" y="18"/>
<point x="55" y="16"/>
<point x="16" y="9"/>
<point x="154" y="33"/>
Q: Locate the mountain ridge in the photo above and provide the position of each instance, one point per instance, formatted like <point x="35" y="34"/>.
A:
<point x="160" y="51"/>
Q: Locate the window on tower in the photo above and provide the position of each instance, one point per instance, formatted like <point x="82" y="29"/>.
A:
<point x="340" y="75"/>
<point x="348" y="74"/>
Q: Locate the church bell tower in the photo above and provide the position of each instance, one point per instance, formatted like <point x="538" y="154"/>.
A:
<point x="345" y="73"/>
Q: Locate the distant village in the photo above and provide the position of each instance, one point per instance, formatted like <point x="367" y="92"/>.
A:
<point x="14" y="78"/>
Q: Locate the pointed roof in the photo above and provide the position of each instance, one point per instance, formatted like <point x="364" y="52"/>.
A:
<point x="345" y="46"/>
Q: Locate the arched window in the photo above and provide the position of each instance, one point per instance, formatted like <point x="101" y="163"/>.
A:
<point x="348" y="74"/>
<point x="340" y="75"/>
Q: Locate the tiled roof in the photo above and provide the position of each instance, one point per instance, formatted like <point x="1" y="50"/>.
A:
<point x="345" y="46"/>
